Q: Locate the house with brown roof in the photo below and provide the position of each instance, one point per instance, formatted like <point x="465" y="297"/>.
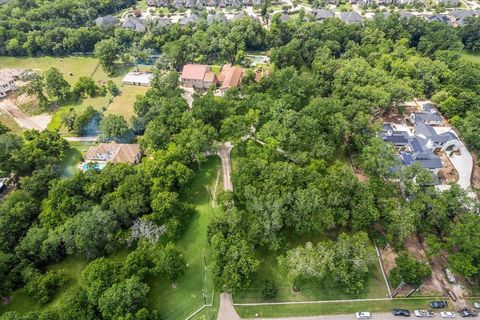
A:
<point x="112" y="152"/>
<point x="197" y="76"/>
<point x="230" y="77"/>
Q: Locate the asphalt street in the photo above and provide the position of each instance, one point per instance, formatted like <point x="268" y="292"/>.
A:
<point x="379" y="316"/>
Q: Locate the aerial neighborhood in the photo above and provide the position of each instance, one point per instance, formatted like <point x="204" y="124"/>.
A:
<point x="239" y="159"/>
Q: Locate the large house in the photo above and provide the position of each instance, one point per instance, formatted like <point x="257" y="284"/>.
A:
<point x="99" y="156"/>
<point x="8" y="78"/>
<point x="198" y="76"/>
<point x="421" y="145"/>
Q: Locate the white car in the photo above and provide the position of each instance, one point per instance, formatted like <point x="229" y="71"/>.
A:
<point x="363" y="315"/>
<point x="447" y="314"/>
<point x="423" y="313"/>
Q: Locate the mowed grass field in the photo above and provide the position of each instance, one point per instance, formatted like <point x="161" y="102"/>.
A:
<point x="74" y="67"/>
<point x="123" y="104"/>
<point x="174" y="302"/>
<point x="181" y="300"/>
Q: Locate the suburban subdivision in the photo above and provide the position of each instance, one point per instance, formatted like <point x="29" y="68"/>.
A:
<point x="239" y="159"/>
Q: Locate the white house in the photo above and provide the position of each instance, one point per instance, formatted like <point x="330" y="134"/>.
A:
<point x="136" y="78"/>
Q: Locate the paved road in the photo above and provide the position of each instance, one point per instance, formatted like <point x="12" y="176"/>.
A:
<point x="379" y="316"/>
<point x="224" y="154"/>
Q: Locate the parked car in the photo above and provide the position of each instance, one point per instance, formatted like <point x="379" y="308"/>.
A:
<point x="465" y="313"/>
<point x="423" y="313"/>
<point x="363" y="315"/>
<point x="401" y="312"/>
<point x="449" y="275"/>
<point x="438" y="304"/>
<point x="476" y="305"/>
<point x="447" y="314"/>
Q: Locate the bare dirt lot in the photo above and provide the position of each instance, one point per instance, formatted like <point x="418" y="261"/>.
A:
<point x="448" y="174"/>
<point x="38" y="122"/>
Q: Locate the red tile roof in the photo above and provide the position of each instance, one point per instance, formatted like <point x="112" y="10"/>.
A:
<point x="232" y="76"/>
<point x="194" y="71"/>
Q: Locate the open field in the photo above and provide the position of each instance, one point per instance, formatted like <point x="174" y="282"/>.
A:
<point x="123" y="103"/>
<point x="74" y="67"/>
<point x="78" y="66"/>
<point x="318" y="309"/>
<point x="182" y="300"/>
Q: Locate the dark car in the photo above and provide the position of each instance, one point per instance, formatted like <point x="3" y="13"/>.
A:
<point x="401" y="313"/>
<point x="438" y="304"/>
<point x="465" y="313"/>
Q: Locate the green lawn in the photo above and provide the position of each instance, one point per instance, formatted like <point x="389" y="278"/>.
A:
<point x="123" y="104"/>
<point x="330" y="308"/>
<point x="78" y="66"/>
<point x="74" y="67"/>
<point x="473" y="56"/>
<point x="181" y="300"/>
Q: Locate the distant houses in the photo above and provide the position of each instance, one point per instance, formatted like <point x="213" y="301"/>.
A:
<point x="98" y="156"/>
<point x="203" y="3"/>
<point x="200" y="76"/>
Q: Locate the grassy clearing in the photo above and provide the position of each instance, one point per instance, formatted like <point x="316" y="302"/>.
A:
<point x="78" y="66"/>
<point x="181" y="300"/>
<point x="123" y="104"/>
<point x="473" y="56"/>
<point x="330" y="308"/>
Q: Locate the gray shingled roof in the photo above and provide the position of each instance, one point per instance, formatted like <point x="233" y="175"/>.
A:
<point x="134" y="24"/>
<point x="106" y="21"/>
<point x="322" y="14"/>
<point x="351" y="17"/>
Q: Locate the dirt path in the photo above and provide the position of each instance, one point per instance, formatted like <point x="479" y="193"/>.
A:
<point x="227" y="311"/>
<point x="39" y="122"/>
<point x="224" y="154"/>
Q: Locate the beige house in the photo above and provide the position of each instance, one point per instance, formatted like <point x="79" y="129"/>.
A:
<point x="112" y="152"/>
<point x="198" y="76"/>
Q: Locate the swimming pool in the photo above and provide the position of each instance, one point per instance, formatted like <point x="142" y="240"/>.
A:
<point x="93" y="165"/>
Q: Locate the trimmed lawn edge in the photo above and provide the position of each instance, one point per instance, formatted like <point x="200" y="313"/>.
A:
<point x="330" y="308"/>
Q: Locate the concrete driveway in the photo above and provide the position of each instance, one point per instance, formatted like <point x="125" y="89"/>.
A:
<point x="464" y="165"/>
